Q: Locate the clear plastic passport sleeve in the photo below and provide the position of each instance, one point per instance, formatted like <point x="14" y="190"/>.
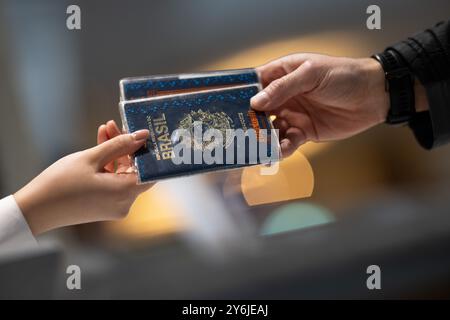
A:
<point x="214" y="100"/>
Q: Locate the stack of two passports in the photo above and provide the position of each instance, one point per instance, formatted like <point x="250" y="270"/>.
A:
<point x="218" y="100"/>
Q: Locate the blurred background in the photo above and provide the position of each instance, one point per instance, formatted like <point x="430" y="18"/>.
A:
<point x="308" y="232"/>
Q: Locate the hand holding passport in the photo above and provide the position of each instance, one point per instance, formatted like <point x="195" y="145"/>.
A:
<point x="216" y="104"/>
<point x="159" y="111"/>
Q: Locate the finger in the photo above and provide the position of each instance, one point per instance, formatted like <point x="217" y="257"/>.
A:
<point x="271" y="71"/>
<point x="282" y="125"/>
<point x="280" y="67"/>
<point x="121" y="145"/>
<point x="302" y="121"/>
<point x="301" y="80"/>
<point x="288" y="113"/>
<point x="112" y="129"/>
<point x="102" y="136"/>
<point x="287" y="148"/>
<point x="294" y="138"/>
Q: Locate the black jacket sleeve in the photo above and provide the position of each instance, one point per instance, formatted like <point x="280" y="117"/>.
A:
<point x="428" y="57"/>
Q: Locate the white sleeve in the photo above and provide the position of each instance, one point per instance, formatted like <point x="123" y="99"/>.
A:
<point x="14" y="230"/>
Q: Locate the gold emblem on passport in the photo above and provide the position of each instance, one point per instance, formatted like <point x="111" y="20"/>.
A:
<point x="209" y="120"/>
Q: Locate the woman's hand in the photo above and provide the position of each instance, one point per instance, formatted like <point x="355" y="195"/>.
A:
<point x="85" y="186"/>
<point x="320" y="98"/>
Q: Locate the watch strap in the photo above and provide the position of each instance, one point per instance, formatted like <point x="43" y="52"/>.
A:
<point x="400" y="85"/>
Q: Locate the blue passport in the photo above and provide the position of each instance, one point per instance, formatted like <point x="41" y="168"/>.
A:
<point x="152" y="86"/>
<point x="220" y="109"/>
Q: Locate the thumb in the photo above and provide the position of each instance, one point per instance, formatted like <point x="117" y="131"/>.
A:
<point x="301" y="80"/>
<point x="121" y="145"/>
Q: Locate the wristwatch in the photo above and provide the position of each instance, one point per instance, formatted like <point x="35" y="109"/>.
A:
<point x="400" y="85"/>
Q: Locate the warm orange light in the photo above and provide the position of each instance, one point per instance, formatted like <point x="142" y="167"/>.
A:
<point x="293" y="180"/>
<point x="153" y="213"/>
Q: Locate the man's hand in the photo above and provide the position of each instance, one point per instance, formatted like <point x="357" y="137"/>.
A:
<point x="321" y="98"/>
<point x="85" y="186"/>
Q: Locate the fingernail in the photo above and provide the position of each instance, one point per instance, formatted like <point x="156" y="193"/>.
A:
<point x="260" y="100"/>
<point x="140" y="134"/>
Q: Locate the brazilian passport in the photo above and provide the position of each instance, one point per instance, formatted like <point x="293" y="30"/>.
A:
<point x="226" y="111"/>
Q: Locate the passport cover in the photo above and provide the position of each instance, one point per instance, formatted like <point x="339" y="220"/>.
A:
<point x="152" y="86"/>
<point x="218" y="109"/>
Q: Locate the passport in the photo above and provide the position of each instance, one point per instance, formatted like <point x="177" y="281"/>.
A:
<point x="220" y="109"/>
<point x="152" y="86"/>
